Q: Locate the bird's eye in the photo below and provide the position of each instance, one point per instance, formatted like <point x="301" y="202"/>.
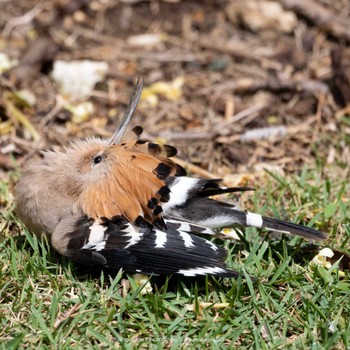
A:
<point x="97" y="159"/>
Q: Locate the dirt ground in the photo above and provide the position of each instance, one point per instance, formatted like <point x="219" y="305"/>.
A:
<point x="254" y="84"/>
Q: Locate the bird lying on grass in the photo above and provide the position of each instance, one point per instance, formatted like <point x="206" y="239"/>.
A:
<point x="123" y="203"/>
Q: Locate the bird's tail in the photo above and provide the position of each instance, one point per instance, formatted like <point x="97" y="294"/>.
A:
<point x="214" y="215"/>
<point x="256" y="220"/>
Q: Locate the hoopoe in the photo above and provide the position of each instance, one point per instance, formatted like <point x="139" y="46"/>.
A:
<point x="123" y="203"/>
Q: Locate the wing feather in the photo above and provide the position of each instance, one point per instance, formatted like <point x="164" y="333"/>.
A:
<point x="119" y="244"/>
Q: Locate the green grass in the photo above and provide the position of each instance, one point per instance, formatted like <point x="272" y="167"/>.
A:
<point x="292" y="305"/>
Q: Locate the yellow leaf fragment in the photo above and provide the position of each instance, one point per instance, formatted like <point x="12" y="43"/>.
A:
<point x="170" y="90"/>
<point x="6" y="63"/>
<point x="81" y="111"/>
<point x="143" y="280"/>
<point x="231" y="233"/>
<point x="6" y="127"/>
<point x="321" y="259"/>
<point x="17" y="115"/>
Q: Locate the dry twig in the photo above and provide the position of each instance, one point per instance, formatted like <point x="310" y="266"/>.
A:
<point x="330" y="23"/>
<point x="69" y="313"/>
<point x="249" y="85"/>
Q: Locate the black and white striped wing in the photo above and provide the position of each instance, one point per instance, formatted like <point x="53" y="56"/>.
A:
<point x="184" y="188"/>
<point x="188" y="201"/>
<point x="119" y="244"/>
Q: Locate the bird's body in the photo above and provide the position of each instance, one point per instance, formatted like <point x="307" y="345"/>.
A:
<point x="123" y="203"/>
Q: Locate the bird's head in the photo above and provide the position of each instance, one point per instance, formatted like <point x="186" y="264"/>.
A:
<point x="89" y="158"/>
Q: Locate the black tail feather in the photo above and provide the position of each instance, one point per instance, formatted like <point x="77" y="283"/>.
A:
<point x="294" y="229"/>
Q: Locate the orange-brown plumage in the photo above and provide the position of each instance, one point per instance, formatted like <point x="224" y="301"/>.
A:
<point x="131" y="185"/>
